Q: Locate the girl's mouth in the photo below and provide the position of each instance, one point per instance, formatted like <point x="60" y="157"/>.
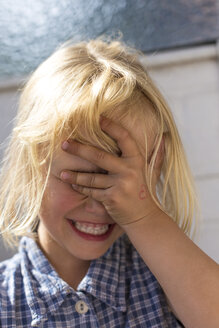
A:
<point x="92" y="231"/>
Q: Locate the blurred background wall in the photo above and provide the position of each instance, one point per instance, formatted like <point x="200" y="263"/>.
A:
<point x="180" y="42"/>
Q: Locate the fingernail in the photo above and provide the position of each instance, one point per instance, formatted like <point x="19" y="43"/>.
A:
<point x="65" y="145"/>
<point x="65" y="175"/>
<point x="74" y="186"/>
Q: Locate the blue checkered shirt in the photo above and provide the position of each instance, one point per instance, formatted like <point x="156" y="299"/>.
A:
<point x="118" y="291"/>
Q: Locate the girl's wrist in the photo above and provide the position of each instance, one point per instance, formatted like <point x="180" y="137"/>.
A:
<point x="146" y="222"/>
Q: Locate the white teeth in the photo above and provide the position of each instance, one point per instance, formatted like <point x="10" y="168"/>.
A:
<point x="91" y="228"/>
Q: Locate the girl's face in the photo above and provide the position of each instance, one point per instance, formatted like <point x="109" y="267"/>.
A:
<point x="63" y="208"/>
<point x="65" y="212"/>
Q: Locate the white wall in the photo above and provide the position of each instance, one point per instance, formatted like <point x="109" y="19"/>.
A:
<point x="189" y="79"/>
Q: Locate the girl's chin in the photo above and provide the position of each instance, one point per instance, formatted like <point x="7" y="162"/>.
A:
<point x="93" y="250"/>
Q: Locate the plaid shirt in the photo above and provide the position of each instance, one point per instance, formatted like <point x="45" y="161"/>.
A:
<point x="118" y="291"/>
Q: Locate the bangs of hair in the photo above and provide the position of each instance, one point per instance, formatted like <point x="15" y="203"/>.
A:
<point x="69" y="92"/>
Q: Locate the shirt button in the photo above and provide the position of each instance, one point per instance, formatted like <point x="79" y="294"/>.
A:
<point x="81" y="307"/>
<point x="68" y="290"/>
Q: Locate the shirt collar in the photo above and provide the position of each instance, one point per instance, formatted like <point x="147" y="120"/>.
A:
<point x="39" y="278"/>
<point x="105" y="279"/>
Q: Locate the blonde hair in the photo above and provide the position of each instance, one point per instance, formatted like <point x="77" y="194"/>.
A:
<point x="64" y="97"/>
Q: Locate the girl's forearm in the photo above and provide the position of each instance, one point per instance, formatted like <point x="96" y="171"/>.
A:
<point x="189" y="278"/>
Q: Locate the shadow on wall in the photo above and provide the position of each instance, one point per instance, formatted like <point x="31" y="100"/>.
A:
<point x="148" y="25"/>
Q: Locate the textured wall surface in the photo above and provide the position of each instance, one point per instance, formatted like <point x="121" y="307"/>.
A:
<point x="31" y="30"/>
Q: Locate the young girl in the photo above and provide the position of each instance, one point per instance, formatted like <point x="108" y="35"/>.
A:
<point x="96" y="183"/>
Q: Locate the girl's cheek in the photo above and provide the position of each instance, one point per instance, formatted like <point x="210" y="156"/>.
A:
<point x="67" y="199"/>
<point x="60" y="196"/>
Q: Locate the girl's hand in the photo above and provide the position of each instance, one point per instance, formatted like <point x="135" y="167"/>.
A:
<point x="123" y="191"/>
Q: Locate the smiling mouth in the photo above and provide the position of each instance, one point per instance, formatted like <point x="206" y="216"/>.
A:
<point x="95" y="229"/>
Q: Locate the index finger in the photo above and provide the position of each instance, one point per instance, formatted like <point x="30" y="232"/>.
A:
<point x="101" y="158"/>
<point x="125" y="141"/>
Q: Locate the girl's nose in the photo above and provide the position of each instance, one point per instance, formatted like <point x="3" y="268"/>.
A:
<point x="93" y="206"/>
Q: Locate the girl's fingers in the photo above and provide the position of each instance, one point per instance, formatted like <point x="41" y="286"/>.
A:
<point x="101" y="158"/>
<point x="91" y="180"/>
<point x="124" y="140"/>
<point x="98" y="194"/>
